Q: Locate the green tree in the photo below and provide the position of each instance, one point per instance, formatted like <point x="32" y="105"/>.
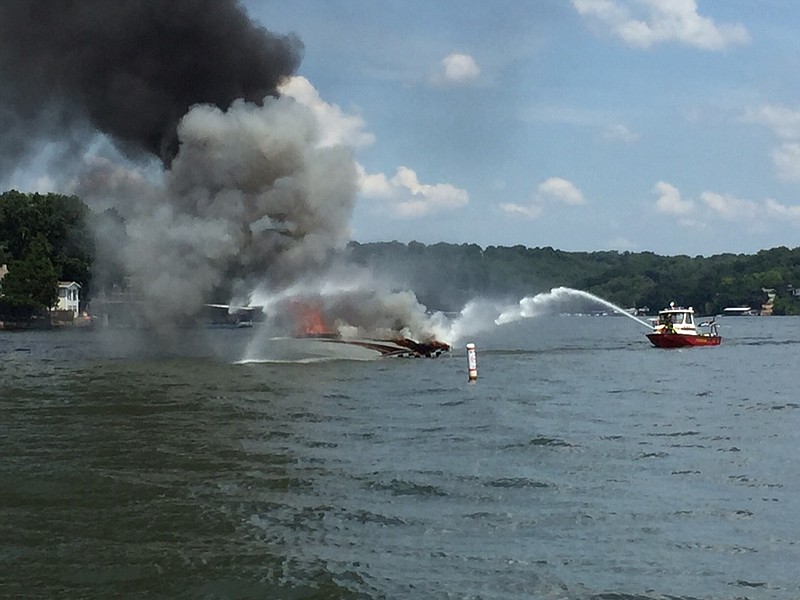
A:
<point x="63" y="221"/>
<point x="31" y="283"/>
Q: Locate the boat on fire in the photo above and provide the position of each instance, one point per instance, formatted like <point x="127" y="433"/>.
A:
<point x="314" y="336"/>
<point x="398" y="347"/>
<point x="676" y="328"/>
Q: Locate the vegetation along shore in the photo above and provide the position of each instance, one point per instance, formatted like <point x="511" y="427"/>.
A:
<point x="48" y="238"/>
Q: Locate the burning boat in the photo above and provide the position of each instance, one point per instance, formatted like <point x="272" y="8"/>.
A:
<point x="400" y="347"/>
<point x="313" y="335"/>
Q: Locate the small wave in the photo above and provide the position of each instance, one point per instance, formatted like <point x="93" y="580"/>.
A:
<point x="366" y="516"/>
<point x="517" y="483"/>
<point x="750" y="584"/>
<point x="399" y="487"/>
<point x="785" y="406"/>
<point x="546" y="441"/>
<point x="674" y="434"/>
<point x="337" y="396"/>
<point x="762" y="342"/>
<point x="622" y="596"/>
<point x="540" y="441"/>
<point x="652" y="455"/>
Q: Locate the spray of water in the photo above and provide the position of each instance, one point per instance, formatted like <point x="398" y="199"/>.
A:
<point x="532" y="306"/>
<point x="482" y="315"/>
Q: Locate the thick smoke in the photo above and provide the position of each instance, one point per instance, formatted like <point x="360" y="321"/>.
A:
<point x="248" y="192"/>
<point x="128" y="68"/>
<point x="251" y="197"/>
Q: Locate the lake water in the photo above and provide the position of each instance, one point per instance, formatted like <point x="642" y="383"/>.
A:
<point x="583" y="464"/>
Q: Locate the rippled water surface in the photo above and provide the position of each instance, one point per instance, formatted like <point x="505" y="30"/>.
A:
<point x="582" y="464"/>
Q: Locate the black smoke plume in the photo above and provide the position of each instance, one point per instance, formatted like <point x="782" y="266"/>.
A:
<point x="128" y="68"/>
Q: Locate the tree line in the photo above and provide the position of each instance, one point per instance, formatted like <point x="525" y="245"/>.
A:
<point x="45" y="238"/>
<point x="446" y="276"/>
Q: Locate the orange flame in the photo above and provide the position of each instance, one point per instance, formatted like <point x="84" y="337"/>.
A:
<point x="308" y="319"/>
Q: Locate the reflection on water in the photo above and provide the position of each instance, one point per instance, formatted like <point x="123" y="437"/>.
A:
<point x="582" y="464"/>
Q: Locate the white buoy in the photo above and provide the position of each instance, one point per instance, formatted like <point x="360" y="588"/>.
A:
<point x="472" y="362"/>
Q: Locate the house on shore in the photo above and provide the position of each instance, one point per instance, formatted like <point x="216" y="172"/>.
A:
<point x="69" y="297"/>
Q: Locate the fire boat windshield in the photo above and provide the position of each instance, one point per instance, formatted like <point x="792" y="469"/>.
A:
<point x="675" y="318"/>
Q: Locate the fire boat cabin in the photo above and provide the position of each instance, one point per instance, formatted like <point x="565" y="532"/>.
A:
<point x="676" y="328"/>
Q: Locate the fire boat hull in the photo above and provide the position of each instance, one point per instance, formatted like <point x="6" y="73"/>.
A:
<point x="679" y="340"/>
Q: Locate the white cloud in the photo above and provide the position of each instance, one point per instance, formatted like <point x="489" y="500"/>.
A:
<point x="407" y="197"/>
<point x="713" y="206"/>
<point x="669" y="201"/>
<point x="731" y="208"/>
<point x="560" y="190"/>
<point x="620" y="133"/>
<point x="336" y="127"/>
<point x="529" y="211"/>
<point x="459" y="69"/>
<point x="554" y="189"/>
<point x="784" y="122"/>
<point x="373" y="185"/>
<point x="404" y="194"/>
<point x="645" y="23"/>
<point x="787" y="160"/>
<point x="781" y="211"/>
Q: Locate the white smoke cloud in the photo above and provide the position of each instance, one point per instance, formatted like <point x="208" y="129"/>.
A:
<point x="249" y="212"/>
<point x="356" y="303"/>
<point x="646" y="23"/>
<point x="252" y="196"/>
<point x="336" y="127"/>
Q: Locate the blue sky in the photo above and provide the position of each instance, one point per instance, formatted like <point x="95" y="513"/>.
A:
<point x="642" y="125"/>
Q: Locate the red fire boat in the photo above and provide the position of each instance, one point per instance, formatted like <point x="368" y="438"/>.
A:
<point x="675" y="328"/>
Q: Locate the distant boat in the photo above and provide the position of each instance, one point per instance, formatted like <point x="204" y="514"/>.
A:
<point x="738" y="311"/>
<point x="675" y="328"/>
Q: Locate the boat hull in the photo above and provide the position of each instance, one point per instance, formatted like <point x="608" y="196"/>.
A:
<point x="680" y="340"/>
<point x="334" y="346"/>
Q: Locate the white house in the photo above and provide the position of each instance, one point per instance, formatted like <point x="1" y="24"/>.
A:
<point x="69" y="297"/>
